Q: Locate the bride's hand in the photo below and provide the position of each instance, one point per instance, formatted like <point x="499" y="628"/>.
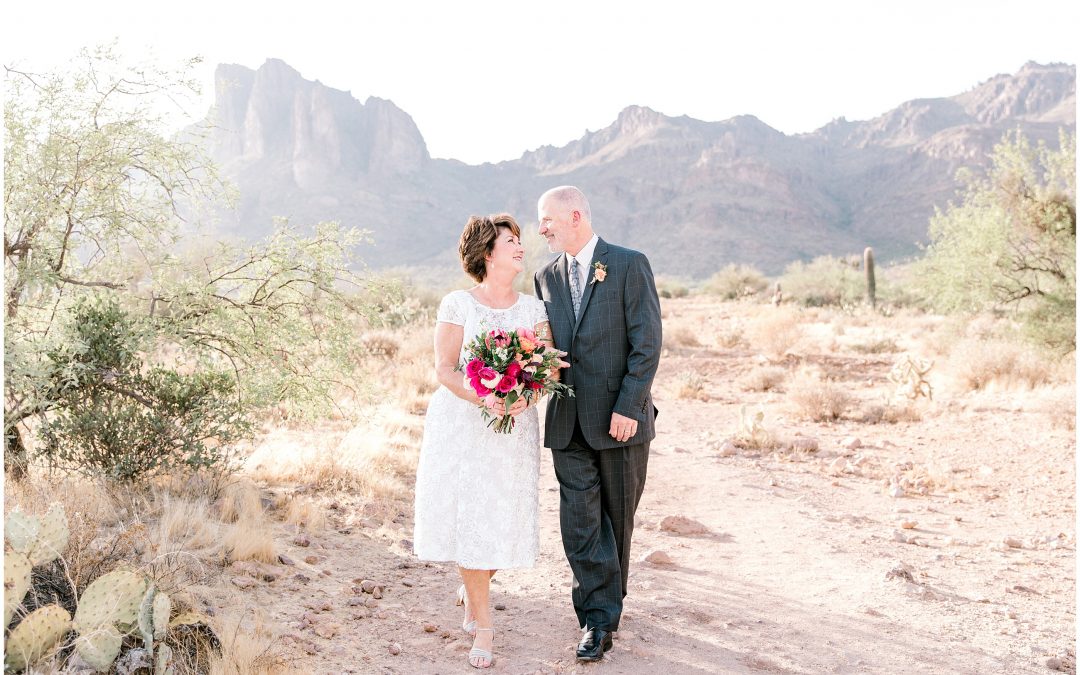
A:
<point x="519" y="406"/>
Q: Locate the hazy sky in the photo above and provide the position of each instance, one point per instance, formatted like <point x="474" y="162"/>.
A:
<point x="486" y="81"/>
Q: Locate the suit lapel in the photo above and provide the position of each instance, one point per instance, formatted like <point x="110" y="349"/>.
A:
<point x="562" y="283"/>
<point x="599" y="256"/>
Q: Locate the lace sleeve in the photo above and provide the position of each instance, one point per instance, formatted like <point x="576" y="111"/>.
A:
<point x="451" y="310"/>
<point x="539" y="311"/>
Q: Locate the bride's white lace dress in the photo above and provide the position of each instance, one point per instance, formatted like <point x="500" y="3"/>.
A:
<point x="476" y="490"/>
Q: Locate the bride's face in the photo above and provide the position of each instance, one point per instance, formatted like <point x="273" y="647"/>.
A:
<point x="507" y="253"/>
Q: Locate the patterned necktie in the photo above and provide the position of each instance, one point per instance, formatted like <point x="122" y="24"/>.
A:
<point x="575" y="286"/>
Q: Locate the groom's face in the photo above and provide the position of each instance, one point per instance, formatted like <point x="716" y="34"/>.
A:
<point x="555" y="225"/>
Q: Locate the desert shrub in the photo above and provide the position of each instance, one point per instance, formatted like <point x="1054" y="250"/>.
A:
<point x="671" y="288"/>
<point x="729" y="334"/>
<point x="690" y="385"/>
<point x="818" y="399"/>
<point x="1011" y="241"/>
<point x="978" y="364"/>
<point x="774" y="331"/>
<point x="889" y="413"/>
<point x="824" y="281"/>
<point x="766" y="378"/>
<point x="732" y="282"/>
<point x="875" y="345"/>
<point x="681" y="336"/>
<point x="117" y="419"/>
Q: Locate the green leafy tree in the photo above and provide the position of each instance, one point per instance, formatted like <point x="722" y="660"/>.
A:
<point x="98" y="196"/>
<point x="1010" y="243"/>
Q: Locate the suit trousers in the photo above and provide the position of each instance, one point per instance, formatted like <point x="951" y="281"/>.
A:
<point x="599" y="491"/>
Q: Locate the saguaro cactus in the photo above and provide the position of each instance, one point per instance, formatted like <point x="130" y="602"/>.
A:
<point x="871" y="285"/>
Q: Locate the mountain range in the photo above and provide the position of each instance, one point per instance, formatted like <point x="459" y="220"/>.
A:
<point x="693" y="195"/>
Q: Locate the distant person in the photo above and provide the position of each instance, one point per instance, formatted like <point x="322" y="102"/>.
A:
<point x="477" y="490"/>
<point x="604" y="312"/>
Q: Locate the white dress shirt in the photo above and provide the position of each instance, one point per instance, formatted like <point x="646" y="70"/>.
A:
<point x="584" y="259"/>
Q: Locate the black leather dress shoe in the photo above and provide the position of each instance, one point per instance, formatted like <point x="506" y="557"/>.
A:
<point x="593" y="644"/>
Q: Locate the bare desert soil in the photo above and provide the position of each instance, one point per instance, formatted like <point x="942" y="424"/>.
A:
<point x="944" y="544"/>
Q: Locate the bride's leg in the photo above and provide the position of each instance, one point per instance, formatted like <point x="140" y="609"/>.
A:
<point x="477" y="588"/>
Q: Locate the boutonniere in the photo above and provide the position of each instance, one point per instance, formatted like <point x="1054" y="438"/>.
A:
<point x="599" y="272"/>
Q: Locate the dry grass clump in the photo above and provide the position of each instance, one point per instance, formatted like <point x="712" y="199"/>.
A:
<point x="681" y="336"/>
<point x="765" y="378"/>
<point x="690" y="385"/>
<point x="775" y="331"/>
<point x="305" y="512"/>
<point x="889" y="413"/>
<point x="241" y="501"/>
<point x="250" y="540"/>
<point x="876" y="345"/>
<point x="817" y="399"/>
<point x="185" y="525"/>
<point x="242" y="650"/>
<point x="981" y="364"/>
<point x="730" y="335"/>
<point x="413" y="384"/>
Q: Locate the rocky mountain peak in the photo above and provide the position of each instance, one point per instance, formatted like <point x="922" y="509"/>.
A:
<point x="635" y="119"/>
<point x="316" y="133"/>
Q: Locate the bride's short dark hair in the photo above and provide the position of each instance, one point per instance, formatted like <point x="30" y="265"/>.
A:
<point x="478" y="239"/>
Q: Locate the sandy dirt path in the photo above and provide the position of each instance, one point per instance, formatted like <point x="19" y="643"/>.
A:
<point x="805" y="566"/>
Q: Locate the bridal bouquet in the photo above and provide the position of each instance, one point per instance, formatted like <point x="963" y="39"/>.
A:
<point x="509" y="366"/>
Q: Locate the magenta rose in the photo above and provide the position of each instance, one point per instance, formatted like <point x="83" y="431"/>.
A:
<point x="488" y="377"/>
<point x="505" y="384"/>
<point x="512" y="370"/>
<point x="479" y="388"/>
<point x="473" y="367"/>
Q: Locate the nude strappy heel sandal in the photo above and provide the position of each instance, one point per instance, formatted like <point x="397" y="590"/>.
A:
<point x="477" y="653"/>
<point x="463" y="601"/>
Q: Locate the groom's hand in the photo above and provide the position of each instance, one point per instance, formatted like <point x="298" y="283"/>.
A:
<point x="622" y="428"/>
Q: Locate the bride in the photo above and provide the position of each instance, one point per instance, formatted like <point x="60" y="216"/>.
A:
<point x="476" y="490"/>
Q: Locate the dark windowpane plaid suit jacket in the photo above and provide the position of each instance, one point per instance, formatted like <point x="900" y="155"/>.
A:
<point x="613" y="344"/>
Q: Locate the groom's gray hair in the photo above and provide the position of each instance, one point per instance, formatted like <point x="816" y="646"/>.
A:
<point x="572" y="198"/>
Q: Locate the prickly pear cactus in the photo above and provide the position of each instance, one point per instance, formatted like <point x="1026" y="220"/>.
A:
<point x="114" y="598"/>
<point x="20" y="530"/>
<point x="99" y="646"/>
<point x="35" y="635"/>
<point x="16" y="582"/>
<point x="163" y="662"/>
<point x="146" y="617"/>
<point x="51" y="538"/>
<point x="162" y="609"/>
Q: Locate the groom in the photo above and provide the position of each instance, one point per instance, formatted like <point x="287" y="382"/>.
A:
<point x="603" y="310"/>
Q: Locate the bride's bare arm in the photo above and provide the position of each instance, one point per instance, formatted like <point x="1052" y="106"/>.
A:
<point x="448" y="340"/>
